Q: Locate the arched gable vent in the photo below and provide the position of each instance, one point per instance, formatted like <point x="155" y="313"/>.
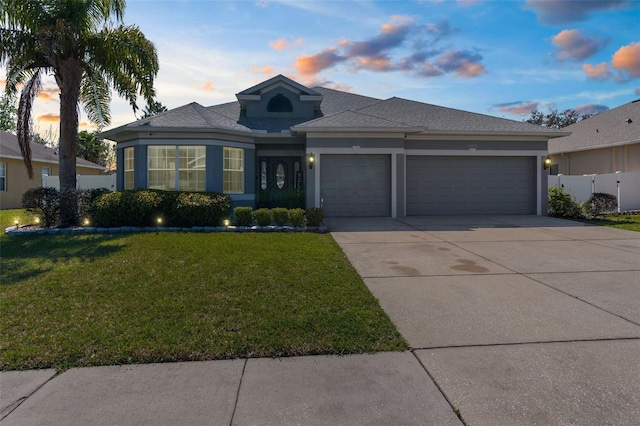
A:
<point x="279" y="103"/>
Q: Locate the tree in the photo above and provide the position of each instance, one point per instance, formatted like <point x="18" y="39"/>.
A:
<point x="152" y="109"/>
<point x="555" y="119"/>
<point x="8" y="114"/>
<point x="88" y="49"/>
<point x="92" y="149"/>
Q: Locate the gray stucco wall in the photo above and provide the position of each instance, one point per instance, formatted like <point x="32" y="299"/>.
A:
<point x="478" y="145"/>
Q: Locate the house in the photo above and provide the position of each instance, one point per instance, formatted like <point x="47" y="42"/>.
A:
<point x="282" y="143"/>
<point x="14" y="180"/>
<point x="605" y="143"/>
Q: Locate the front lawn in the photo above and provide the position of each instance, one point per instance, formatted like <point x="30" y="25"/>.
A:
<point x="69" y="301"/>
<point x="629" y="222"/>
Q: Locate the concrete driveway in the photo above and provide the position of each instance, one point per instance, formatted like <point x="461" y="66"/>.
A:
<point x="517" y="319"/>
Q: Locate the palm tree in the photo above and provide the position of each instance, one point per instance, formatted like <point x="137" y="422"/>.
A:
<point x="88" y="49"/>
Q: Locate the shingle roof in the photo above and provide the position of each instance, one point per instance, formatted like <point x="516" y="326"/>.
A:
<point x="605" y="129"/>
<point x="339" y="110"/>
<point x="9" y="148"/>
<point x="437" y="118"/>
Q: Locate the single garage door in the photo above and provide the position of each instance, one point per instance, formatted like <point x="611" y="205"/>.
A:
<point x="470" y="185"/>
<point x="355" y="185"/>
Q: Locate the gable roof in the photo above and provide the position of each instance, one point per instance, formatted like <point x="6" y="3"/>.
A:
<point x="9" y="148"/>
<point x="609" y="128"/>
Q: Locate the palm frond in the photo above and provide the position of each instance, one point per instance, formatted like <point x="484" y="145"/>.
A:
<point x="95" y="95"/>
<point x="23" y="128"/>
<point x="128" y="60"/>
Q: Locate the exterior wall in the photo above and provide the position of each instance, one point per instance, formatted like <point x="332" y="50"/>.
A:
<point x="213" y="164"/>
<point x="625" y="158"/>
<point x="18" y="180"/>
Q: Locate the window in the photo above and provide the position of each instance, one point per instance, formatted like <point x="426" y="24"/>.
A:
<point x="191" y="168"/>
<point x="3" y="177"/>
<point x="263" y="175"/>
<point x="174" y="168"/>
<point x="279" y="103"/>
<point x="46" y="171"/>
<point x="128" y="168"/>
<point x="233" y="171"/>
<point x="280" y="176"/>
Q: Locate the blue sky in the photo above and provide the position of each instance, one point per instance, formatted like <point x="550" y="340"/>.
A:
<point x="502" y="58"/>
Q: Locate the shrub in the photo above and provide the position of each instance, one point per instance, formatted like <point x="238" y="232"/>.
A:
<point x="127" y="208"/>
<point x="44" y="203"/>
<point x="599" y="203"/>
<point x="296" y="217"/>
<point x="314" y="216"/>
<point x="243" y="216"/>
<point x="86" y="198"/>
<point x="199" y="209"/>
<point x="562" y="204"/>
<point x="280" y="215"/>
<point x="264" y="217"/>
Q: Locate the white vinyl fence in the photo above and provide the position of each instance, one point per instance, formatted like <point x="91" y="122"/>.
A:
<point x="625" y="186"/>
<point x="84" y="181"/>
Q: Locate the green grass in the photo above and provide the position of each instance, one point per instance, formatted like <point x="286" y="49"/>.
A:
<point x="8" y="216"/>
<point x="629" y="222"/>
<point x="69" y="301"/>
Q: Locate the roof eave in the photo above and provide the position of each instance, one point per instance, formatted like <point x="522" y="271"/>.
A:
<point x="303" y="129"/>
<point x="589" y="148"/>
<point x="109" y="134"/>
<point x="549" y="135"/>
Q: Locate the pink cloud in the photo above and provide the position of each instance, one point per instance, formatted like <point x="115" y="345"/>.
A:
<point x="208" y="87"/>
<point x="597" y="72"/>
<point x="627" y="61"/>
<point x="575" y="46"/>
<point x="279" y="44"/>
<point x="310" y="65"/>
<point x="464" y="63"/>
<point x="267" y="70"/>
<point x="519" y="108"/>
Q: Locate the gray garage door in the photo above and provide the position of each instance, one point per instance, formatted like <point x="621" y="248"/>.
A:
<point x="470" y="185"/>
<point x="355" y="185"/>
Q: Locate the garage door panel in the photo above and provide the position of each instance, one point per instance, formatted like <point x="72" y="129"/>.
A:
<point x="355" y="185"/>
<point x="470" y="185"/>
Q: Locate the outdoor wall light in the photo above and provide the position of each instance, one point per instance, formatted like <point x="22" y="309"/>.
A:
<point x="312" y="159"/>
<point x="547" y="162"/>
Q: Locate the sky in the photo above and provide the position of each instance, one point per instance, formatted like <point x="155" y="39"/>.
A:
<point x="503" y="58"/>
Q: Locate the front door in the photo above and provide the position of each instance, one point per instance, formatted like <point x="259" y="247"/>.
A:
<point x="280" y="182"/>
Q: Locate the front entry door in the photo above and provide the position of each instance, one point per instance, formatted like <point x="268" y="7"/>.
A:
<point x="280" y="182"/>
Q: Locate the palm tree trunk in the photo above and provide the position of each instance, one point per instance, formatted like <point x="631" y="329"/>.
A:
<point x="69" y="79"/>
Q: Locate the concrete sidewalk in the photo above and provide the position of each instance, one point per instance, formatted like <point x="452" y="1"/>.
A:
<point x="512" y="320"/>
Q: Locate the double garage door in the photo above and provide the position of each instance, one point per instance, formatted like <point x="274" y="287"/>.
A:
<point x="470" y="185"/>
<point x="360" y="185"/>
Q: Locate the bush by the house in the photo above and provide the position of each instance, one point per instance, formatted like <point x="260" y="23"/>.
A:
<point x="280" y="215"/>
<point x="314" y="216"/>
<point x="296" y="217"/>
<point x="86" y="198"/>
<point x="243" y="216"/>
<point x="562" y="204"/>
<point x="44" y="203"/>
<point x="144" y="207"/>
<point x="263" y="217"/>
<point x="599" y="203"/>
<point x="199" y="209"/>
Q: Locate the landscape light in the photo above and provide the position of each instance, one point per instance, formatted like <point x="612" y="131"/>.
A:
<point x="16" y="222"/>
<point x="226" y="223"/>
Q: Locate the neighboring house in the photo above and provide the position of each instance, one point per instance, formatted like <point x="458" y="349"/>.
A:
<point x="14" y="180"/>
<point x="352" y="155"/>
<point x="605" y="143"/>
